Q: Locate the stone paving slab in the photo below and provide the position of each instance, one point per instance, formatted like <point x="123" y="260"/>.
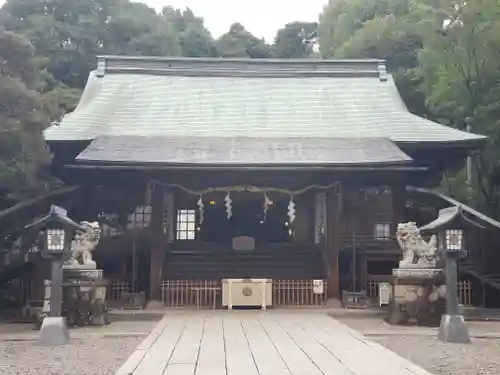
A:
<point x="261" y="343"/>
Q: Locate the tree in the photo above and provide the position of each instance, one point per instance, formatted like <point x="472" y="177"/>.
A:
<point x="460" y="76"/>
<point x="340" y="19"/>
<point x="136" y="29"/>
<point x="289" y="41"/>
<point x="238" y="42"/>
<point x="24" y="158"/>
<point x="384" y="29"/>
<point x="445" y="58"/>
<point x="67" y="32"/>
<point x="194" y="38"/>
<point x="70" y="33"/>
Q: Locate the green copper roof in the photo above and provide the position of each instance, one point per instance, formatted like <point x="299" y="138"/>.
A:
<point x="128" y="96"/>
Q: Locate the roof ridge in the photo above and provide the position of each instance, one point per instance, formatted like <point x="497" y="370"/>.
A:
<point x="192" y="66"/>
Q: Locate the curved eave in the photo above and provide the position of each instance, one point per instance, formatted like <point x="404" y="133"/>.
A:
<point x="470" y="144"/>
<point x="247" y="167"/>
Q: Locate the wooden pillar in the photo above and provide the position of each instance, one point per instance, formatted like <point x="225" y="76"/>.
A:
<point x="158" y="244"/>
<point x="332" y="243"/>
<point x="363" y="272"/>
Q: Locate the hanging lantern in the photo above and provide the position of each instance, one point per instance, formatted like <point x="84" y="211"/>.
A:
<point x="200" y="208"/>
<point x="149" y="193"/>
<point x="291" y="210"/>
<point x="267" y="203"/>
<point x="229" y="204"/>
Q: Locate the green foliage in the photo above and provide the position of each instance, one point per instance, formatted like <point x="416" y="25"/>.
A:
<point x="70" y="33"/>
<point x="289" y="41"/>
<point x="48" y="52"/>
<point x="341" y="19"/>
<point x="24" y="157"/>
<point x="195" y="40"/>
<point x="238" y="42"/>
<point x="444" y="55"/>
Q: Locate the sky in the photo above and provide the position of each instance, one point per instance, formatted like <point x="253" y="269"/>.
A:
<point x="261" y="17"/>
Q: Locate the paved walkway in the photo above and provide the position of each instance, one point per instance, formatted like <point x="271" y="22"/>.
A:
<point x="261" y="343"/>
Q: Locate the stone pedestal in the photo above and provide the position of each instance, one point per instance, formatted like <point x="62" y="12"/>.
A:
<point x="54" y="332"/>
<point x="453" y="329"/>
<point x="85" y="296"/>
<point x="417" y="296"/>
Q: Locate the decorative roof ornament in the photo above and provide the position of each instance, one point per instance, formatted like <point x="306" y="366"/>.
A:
<point x="291" y="210"/>
<point x="229" y="205"/>
<point x="200" y="208"/>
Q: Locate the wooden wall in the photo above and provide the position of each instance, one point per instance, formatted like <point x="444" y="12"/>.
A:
<point x="354" y="209"/>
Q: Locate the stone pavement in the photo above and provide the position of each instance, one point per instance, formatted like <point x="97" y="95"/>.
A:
<point x="261" y="343"/>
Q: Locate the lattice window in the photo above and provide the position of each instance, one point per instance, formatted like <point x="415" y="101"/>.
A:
<point x="110" y="224"/>
<point x="186" y="224"/>
<point x="140" y="219"/>
<point x="382" y="231"/>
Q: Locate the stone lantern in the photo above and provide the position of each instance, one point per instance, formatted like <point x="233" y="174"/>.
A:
<point x="57" y="230"/>
<point x="449" y="227"/>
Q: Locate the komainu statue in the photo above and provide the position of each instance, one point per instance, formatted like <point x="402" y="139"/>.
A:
<point x="83" y="244"/>
<point x="416" y="252"/>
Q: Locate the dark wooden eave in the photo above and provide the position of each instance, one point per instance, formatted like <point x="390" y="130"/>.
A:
<point x="281" y="167"/>
<point x="243" y="152"/>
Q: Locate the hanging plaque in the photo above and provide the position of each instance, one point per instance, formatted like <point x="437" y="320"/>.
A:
<point x="318" y="287"/>
<point x="243" y="243"/>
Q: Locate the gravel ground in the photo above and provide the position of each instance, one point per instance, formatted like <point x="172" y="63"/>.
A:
<point x="481" y="358"/>
<point x="420" y="345"/>
<point x="92" y="351"/>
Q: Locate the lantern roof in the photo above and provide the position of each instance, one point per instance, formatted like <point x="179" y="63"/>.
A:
<point x="56" y="216"/>
<point x="450" y="217"/>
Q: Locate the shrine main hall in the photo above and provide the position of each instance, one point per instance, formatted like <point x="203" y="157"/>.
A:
<point x="206" y="170"/>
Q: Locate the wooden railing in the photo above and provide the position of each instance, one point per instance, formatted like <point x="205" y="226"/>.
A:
<point x="298" y="293"/>
<point x="116" y="290"/>
<point x="207" y="293"/>
<point x="465" y="292"/>
<point x="191" y="293"/>
<point x="372" y="285"/>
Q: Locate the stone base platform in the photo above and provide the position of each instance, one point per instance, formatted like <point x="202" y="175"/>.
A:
<point x="418" y="297"/>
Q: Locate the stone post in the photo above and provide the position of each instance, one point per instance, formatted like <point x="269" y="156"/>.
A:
<point x="57" y="231"/>
<point x="452" y="327"/>
<point x="56" y="291"/>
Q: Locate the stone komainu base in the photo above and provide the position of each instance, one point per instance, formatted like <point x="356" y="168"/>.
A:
<point x="84" y="299"/>
<point x="418" y="297"/>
